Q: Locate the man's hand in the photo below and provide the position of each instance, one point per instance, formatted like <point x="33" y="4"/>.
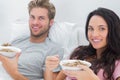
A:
<point x="10" y="64"/>
<point x="52" y="62"/>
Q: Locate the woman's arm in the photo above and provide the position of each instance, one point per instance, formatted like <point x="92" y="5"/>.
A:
<point x="61" y="76"/>
<point x="118" y="78"/>
<point x="85" y="74"/>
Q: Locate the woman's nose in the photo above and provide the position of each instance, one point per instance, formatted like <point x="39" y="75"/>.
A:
<point x="95" y="33"/>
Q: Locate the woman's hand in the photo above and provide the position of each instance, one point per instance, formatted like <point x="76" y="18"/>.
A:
<point x="85" y="73"/>
<point x="52" y="62"/>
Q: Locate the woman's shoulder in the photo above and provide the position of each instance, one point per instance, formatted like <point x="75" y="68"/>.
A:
<point x="117" y="62"/>
<point x="116" y="73"/>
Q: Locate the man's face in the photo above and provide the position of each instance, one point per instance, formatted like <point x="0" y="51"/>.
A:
<point x="39" y="22"/>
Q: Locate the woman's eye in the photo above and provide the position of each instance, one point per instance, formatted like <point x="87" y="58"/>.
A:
<point x="90" y="29"/>
<point x="102" y="29"/>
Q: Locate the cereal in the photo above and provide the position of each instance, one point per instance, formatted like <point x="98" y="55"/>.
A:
<point x="73" y="64"/>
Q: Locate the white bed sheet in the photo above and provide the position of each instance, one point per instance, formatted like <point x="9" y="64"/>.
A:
<point x="3" y="74"/>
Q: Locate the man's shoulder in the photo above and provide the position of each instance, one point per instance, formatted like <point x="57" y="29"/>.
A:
<point x="20" y="39"/>
<point x="55" y="47"/>
<point x="54" y="44"/>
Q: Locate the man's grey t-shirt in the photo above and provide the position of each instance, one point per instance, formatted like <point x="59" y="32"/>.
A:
<point x="32" y="59"/>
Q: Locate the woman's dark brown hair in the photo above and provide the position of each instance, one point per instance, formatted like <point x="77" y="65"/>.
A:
<point x="112" y="52"/>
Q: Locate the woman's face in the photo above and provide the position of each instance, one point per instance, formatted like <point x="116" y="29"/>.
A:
<point x="97" y="32"/>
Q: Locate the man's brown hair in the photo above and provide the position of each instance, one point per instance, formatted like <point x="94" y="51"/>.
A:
<point x="43" y="4"/>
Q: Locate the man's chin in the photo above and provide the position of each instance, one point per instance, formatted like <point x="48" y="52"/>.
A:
<point x="35" y="35"/>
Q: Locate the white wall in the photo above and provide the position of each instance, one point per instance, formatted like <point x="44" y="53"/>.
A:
<point x="74" y="11"/>
<point x="77" y="10"/>
<point x="10" y="11"/>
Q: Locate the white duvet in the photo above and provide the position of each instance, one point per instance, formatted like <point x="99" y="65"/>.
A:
<point x="3" y="74"/>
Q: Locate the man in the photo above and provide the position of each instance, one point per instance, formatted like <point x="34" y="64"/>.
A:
<point x="35" y="49"/>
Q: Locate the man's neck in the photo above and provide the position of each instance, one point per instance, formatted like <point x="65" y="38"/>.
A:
<point x="37" y="39"/>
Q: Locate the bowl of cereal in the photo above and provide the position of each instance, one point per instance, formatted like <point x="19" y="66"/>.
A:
<point x="73" y="64"/>
<point x="9" y="51"/>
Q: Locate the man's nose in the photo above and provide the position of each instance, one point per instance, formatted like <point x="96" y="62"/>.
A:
<point x="36" y="21"/>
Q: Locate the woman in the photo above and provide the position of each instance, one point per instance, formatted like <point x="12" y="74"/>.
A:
<point x="103" y="51"/>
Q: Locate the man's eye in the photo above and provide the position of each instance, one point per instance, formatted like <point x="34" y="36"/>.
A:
<point x="31" y="17"/>
<point x="41" y="18"/>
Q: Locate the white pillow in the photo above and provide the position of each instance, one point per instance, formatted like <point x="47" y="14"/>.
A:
<point x="19" y="28"/>
<point x="69" y="35"/>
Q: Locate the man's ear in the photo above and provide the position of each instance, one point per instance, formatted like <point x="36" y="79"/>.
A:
<point x="51" y="22"/>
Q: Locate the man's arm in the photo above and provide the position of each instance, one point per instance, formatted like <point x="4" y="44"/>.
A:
<point x="18" y="76"/>
<point x="50" y="64"/>
<point x="11" y="66"/>
<point x="49" y="75"/>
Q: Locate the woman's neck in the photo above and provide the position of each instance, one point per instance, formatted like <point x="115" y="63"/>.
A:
<point x="99" y="52"/>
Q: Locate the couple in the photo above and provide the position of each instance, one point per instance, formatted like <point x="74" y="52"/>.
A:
<point x="36" y="62"/>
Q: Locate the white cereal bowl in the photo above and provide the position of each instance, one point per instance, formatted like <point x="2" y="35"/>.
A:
<point x="13" y="51"/>
<point x="65" y="67"/>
